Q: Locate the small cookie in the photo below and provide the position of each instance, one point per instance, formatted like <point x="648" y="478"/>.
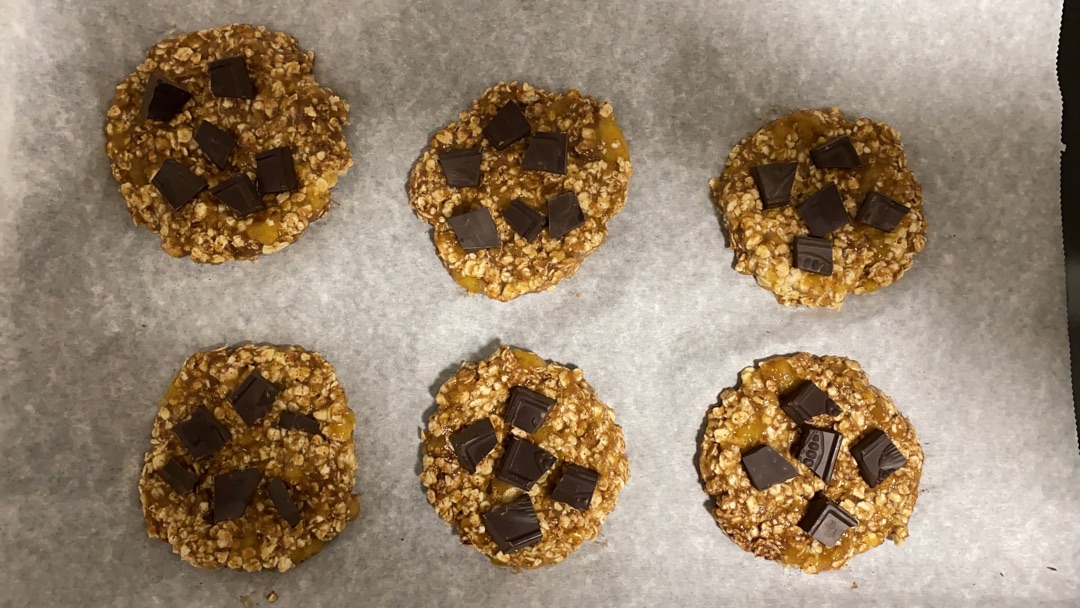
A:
<point x="809" y="464"/>
<point x="817" y="207"/>
<point x="223" y="143"/>
<point x="231" y="478"/>
<point x="522" y="458"/>
<point x="541" y="172"/>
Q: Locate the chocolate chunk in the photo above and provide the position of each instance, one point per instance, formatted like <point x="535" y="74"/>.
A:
<point x="163" y="99"/>
<point x="461" y="167"/>
<point x="507" y="126"/>
<point x="177" y="184"/>
<point x="774" y="183"/>
<point x="823" y="211"/>
<point x="564" y="214"/>
<point x="216" y="144"/>
<point x="766" y="467"/>
<point x="576" y="487"/>
<point x="546" y="152"/>
<point x="239" y="194"/>
<point x="523" y="463"/>
<point x="473" y="443"/>
<point x="514" y="525"/>
<point x="229" y="77"/>
<point x="283" y="502"/>
<point x="253" y="398"/>
<point x="877" y="457"/>
<point x="825" y="520"/>
<point x="880" y="211"/>
<point x="475" y="230"/>
<point x="275" y="171"/>
<point x="526" y="222"/>
<point x="837" y="153"/>
<point x="808" y="401"/>
<point x="818" y="450"/>
<point x="233" y="492"/>
<point x="201" y="434"/>
<point x="291" y="421"/>
<point x="178" y="476"/>
<point x="813" y="254"/>
<point x="527" y="409"/>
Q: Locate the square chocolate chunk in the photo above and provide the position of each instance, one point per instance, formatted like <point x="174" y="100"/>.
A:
<point x="837" y="153"/>
<point x="162" y="99"/>
<point x="291" y="421"/>
<point x="825" y="520"/>
<point x="239" y="194"/>
<point x="283" y="502"/>
<point x="253" y="398"/>
<point x="526" y="222"/>
<point x="215" y="143"/>
<point x="808" y="401"/>
<point x="813" y="255"/>
<point x="527" y="409"/>
<point x="766" y="467"/>
<point x="880" y="211"/>
<point x="201" y="434"/>
<point x="177" y="184"/>
<point x="276" y="171"/>
<point x="178" y="476"/>
<point x="546" y="152"/>
<point x="576" y="487"/>
<point x="233" y="492"/>
<point x="774" y="182"/>
<point x="523" y="463"/>
<point x="509" y="125"/>
<point x="823" y="211"/>
<point x="564" y="214"/>
<point x="877" y="457"/>
<point x="514" y="525"/>
<point x="475" y="230"/>
<point x="461" y="167"/>
<point x="229" y="77"/>
<point x="473" y="443"/>
<point x="818" y="450"/>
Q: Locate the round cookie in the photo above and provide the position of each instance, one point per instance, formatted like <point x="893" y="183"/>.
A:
<point x="752" y="439"/>
<point x="513" y="421"/>
<point x="161" y="147"/>
<point x="251" y="462"/>
<point x="864" y="258"/>
<point x="555" y="144"/>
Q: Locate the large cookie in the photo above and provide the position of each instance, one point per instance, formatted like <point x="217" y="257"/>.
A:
<point x="217" y="101"/>
<point x="560" y="155"/>
<point x="251" y="462"/>
<point x="522" y="458"/>
<point x="869" y="228"/>
<point x="809" y="464"/>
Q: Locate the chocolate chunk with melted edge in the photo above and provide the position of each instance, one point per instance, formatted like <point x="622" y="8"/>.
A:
<point x="877" y="457"/>
<point x="283" y="502"/>
<point x="825" y="520"/>
<point x="818" y="450"/>
<point x="201" y="434"/>
<point x="292" y="421"/>
<point x="808" y="401"/>
<point x="473" y="443"/>
<point x="253" y="398"/>
<point x="178" y="476"/>
<point x="216" y="144"/>
<point x="233" y="492"/>
<point x="564" y="214"/>
<point x="177" y="184"/>
<point x="880" y="211"/>
<point x="475" y="230"/>
<point x="527" y="409"/>
<point x="507" y="126"/>
<point x="461" y="167"/>
<point x="239" y="194"/>
<point x="276" y="171"/>
<point x="823" y="211"/>
<point x="774" y="183"/>
<point x="766" y="467"/>
<point x="514" y="525"/>
<point x="526" y="222"/>
<point x="576" y="487"/>
<point x="229" y="77"/>
<point x="523" y="463"/>
<point x="163" y="99"/>
<point x="837" y="153"/>
<point x="546" y="152"/>
<point x="813" y="254"/>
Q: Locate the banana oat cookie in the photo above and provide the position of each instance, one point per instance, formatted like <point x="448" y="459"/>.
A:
<point x="251" y="462"/>
<point x="817" y="206"/>
<point x="223" y="143"/>
<point x="520" y="189"/>
<point x="809" y="464"/>
<point x="522" y="458"/>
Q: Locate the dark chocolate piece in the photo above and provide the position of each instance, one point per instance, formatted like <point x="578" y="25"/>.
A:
<point x="475" y="230"/>
<point x="880" y="211"/>
<point x="576" y="487"/>
<point x="564" y="214"/>
<point x="526" y="222"/>
<point x="507" y="126"/>
<point x="514" y="525"/>
<point x="202" y="434"/>
<point x="275" y="171"/>
<point x="813" y="254"/>
<point x="215" y="143"/>
<point x="766" y="467"/>
<point x="233" y="492"/>
<point x="877" y="457"/>
<point x="527" y="409"/>
<point x="546" y="152"/>
<point x="774" y="183"/>
<point x="461" y="167"/>
<point x="291" y="421"/>
<point x="177" y="184"/>
<point x="825" y="520"/>
<point x="523" y="463"/>
<point x="473" y="443"/>
<point x="162" y="99"/>
<point x="239" y="194"/>
<point x="823" y="211"/>
<point x="837" y="153"/>
<point x="283" y="502"/>
<point x="808" y="401"/>
<point x="818" y="450"/>
<point x="253" y="398"/>
<point x="178" y="476"/>
<point x="229" y="77"/>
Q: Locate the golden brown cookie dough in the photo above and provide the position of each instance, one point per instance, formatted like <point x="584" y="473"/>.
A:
<point x="318" y="469"/>
<point x="580" y="429"/>
<point x="766" y="522"/>
<point x="290" y="109"/>
<point x="864" y="258"/>
<point x="597" y="171"/>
